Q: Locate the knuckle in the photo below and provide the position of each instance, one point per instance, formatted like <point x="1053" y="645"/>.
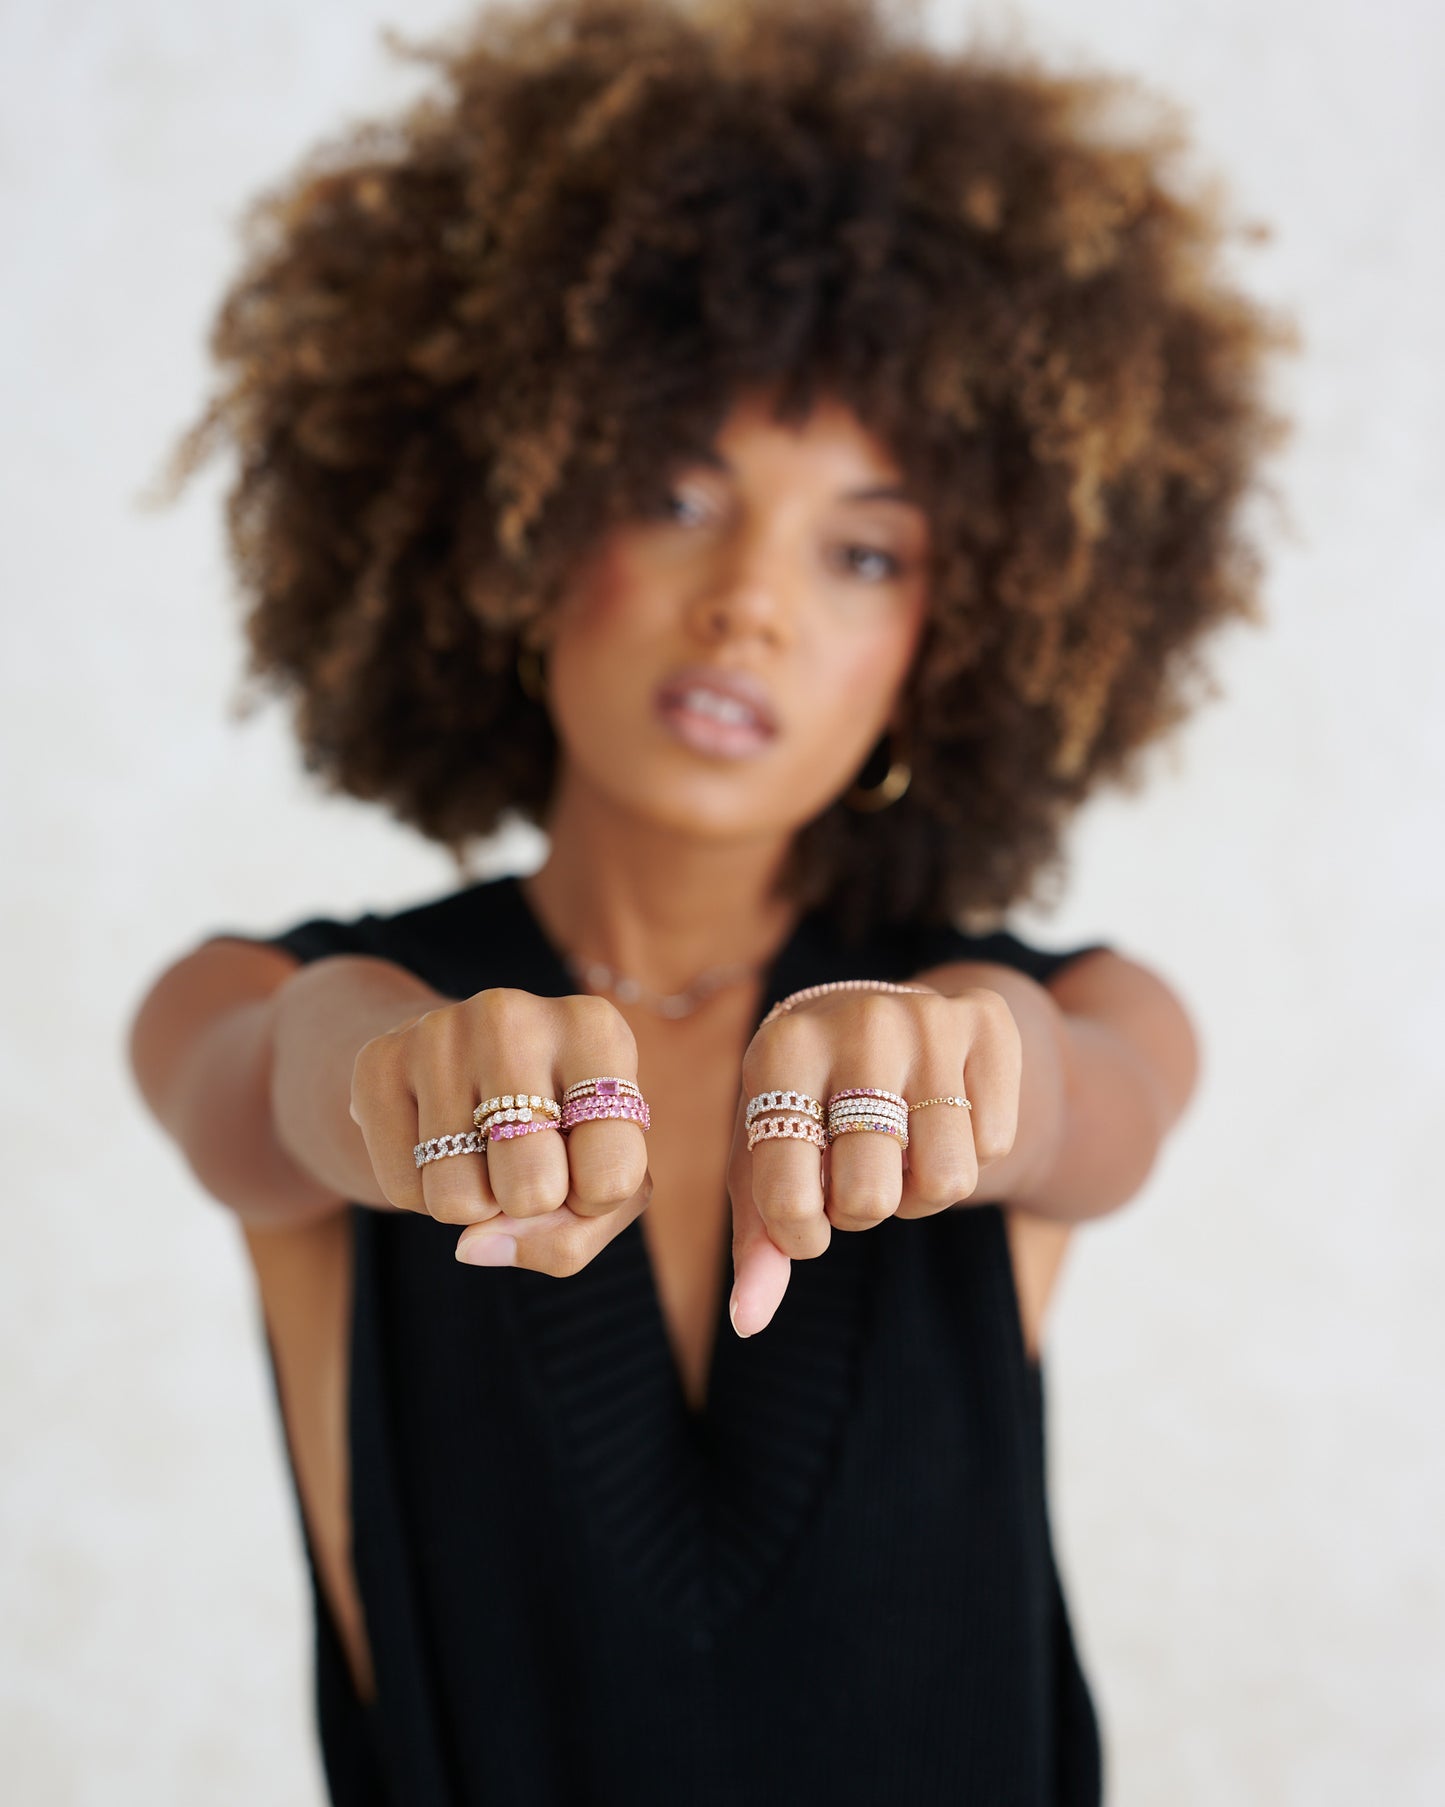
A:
<point x="782" y="1204"/>
<point x="939" y="1015"/>
<point x="402" y="1197"/>
<point x="568" y="1253"/>
<point x="531" y="1194"/>
<point x="454" y="1198"/>
<point x="943" y="1187"/>
<point x="867" y="1200"/>
<point x="607" y="1178"/>
<point x="995" y="1009"/>
<point x="502" y="1012"/>
<point x="785" y="1045"/>
<point x="375" y="1070"/>
<point x="453" y="1210"/>
<point x="599" y="1033"/>
<point x="992" y="1141"/>
<point x="593" y="1016"/>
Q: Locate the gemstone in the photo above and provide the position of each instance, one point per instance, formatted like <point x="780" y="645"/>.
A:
<point x="607" y="1088"/>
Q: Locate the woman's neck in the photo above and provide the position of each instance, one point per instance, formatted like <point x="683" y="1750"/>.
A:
<point x="659" y="906"/>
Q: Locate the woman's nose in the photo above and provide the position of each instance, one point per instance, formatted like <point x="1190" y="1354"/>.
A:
<point x="747" y="595"/>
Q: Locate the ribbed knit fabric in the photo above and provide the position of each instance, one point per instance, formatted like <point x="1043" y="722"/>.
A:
<point x="835" y="1585"/>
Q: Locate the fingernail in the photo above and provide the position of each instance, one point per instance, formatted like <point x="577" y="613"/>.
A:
<point x="733" y="1312"/>
<point x="488" y="1251"/>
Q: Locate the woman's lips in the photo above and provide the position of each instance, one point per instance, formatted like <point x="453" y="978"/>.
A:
<point x="726" y="714"/>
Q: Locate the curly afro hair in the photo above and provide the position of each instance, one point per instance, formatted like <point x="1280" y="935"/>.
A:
<point x="465" y="341"/>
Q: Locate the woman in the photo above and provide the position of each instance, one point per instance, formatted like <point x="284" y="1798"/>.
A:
<point x="795" y="467"/>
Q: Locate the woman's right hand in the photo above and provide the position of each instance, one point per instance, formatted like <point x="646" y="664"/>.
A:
<point x="558" y="1200"/>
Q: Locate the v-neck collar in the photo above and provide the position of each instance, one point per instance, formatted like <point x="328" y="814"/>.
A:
<point x="698" y="1506"/>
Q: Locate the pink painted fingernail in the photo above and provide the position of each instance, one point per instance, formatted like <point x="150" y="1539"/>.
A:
<point x="488" y="1251"/>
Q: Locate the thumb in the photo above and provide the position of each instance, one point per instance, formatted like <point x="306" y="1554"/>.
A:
<point x="760" y="1268"/>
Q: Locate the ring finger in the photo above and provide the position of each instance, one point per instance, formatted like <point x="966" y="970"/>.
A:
<point x="526" y="1165"/>
<point x="941" y="1165"/>
<point x="864" y="1167"/>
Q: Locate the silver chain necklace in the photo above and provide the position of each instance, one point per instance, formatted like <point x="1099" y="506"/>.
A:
<point x="600" y="977"/>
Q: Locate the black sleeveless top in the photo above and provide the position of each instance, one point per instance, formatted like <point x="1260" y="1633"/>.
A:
<point x="836" y="1584"/>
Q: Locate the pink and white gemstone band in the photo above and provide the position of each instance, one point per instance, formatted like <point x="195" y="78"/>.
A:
<point x="591" y="1099"/>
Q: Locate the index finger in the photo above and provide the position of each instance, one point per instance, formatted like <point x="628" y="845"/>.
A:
<point x="760" y="1268"/>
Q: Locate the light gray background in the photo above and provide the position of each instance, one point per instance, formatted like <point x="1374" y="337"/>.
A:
<point x="1244" y="1365"/>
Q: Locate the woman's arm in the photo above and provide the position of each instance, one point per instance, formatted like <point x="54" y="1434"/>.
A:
<point x="1110" y="1060"/>
<point x="245" y="1059"/>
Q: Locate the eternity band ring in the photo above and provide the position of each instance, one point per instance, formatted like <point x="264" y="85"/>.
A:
<point x="437" y="1148"/>
<point x="515" y="1107"/>
<point x="786" y="1129"/>
<point x="784" y="1101"/>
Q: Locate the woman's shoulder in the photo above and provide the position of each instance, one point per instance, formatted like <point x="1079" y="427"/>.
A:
<point x="439" y="925"/>
<point x="935" y="944"/>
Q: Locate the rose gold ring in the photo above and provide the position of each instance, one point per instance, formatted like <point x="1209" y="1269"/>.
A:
<point x="785" y="1129"/>
<point x="607" y="1096"/>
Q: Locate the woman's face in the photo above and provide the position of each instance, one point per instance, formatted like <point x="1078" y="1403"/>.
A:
<point x="724" y="664"/>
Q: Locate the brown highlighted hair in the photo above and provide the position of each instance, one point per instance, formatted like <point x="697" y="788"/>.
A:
<point x="466" y="340"/>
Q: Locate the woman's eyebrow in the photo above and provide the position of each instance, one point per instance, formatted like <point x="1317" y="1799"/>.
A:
<point x="883" y="492"/>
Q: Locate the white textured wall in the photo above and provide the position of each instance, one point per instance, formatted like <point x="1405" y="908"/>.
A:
<point x="1245" y="1364"/>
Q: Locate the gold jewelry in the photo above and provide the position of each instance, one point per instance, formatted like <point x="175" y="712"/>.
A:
<point x="880" y="1126"/>
<point x="858" y="1108"/>
<point x="530" y="674"/>
<point x="785" y="1129"/>
<point x="515" y="1107"/>
<point x="868" y="798"/>
<point x="963" y="1103"/>
<point x="605" y="1086"/>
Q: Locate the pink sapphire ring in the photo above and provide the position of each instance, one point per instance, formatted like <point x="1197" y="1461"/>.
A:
<point x="607" y="1096"/>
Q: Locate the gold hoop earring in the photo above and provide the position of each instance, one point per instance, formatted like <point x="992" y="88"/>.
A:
<point x="867" y="798"/>
<point x="530" y="675"/>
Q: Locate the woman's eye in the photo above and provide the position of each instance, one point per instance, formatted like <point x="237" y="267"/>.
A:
<point x="869" y="562"/>
<point x="675" y="505"/>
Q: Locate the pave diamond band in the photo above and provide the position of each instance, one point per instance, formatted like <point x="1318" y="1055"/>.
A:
<point x="783" y="1101"/>
<point x="437" y="1148"/>
<point x="860" y="1108"/>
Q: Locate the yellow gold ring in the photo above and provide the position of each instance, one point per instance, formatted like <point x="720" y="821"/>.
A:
<point x="963" y="1103"/>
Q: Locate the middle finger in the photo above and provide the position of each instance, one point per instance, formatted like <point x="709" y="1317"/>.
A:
<point x="865" y="1165"/>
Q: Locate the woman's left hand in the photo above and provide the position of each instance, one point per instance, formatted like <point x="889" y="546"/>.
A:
<point x="788" y="1196"/>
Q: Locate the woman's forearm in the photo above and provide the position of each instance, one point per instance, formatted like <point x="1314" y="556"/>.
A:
<point x="1089" y="1125"/>
<point x="321" y="1018"/>
<point x="261" y="1103"/>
